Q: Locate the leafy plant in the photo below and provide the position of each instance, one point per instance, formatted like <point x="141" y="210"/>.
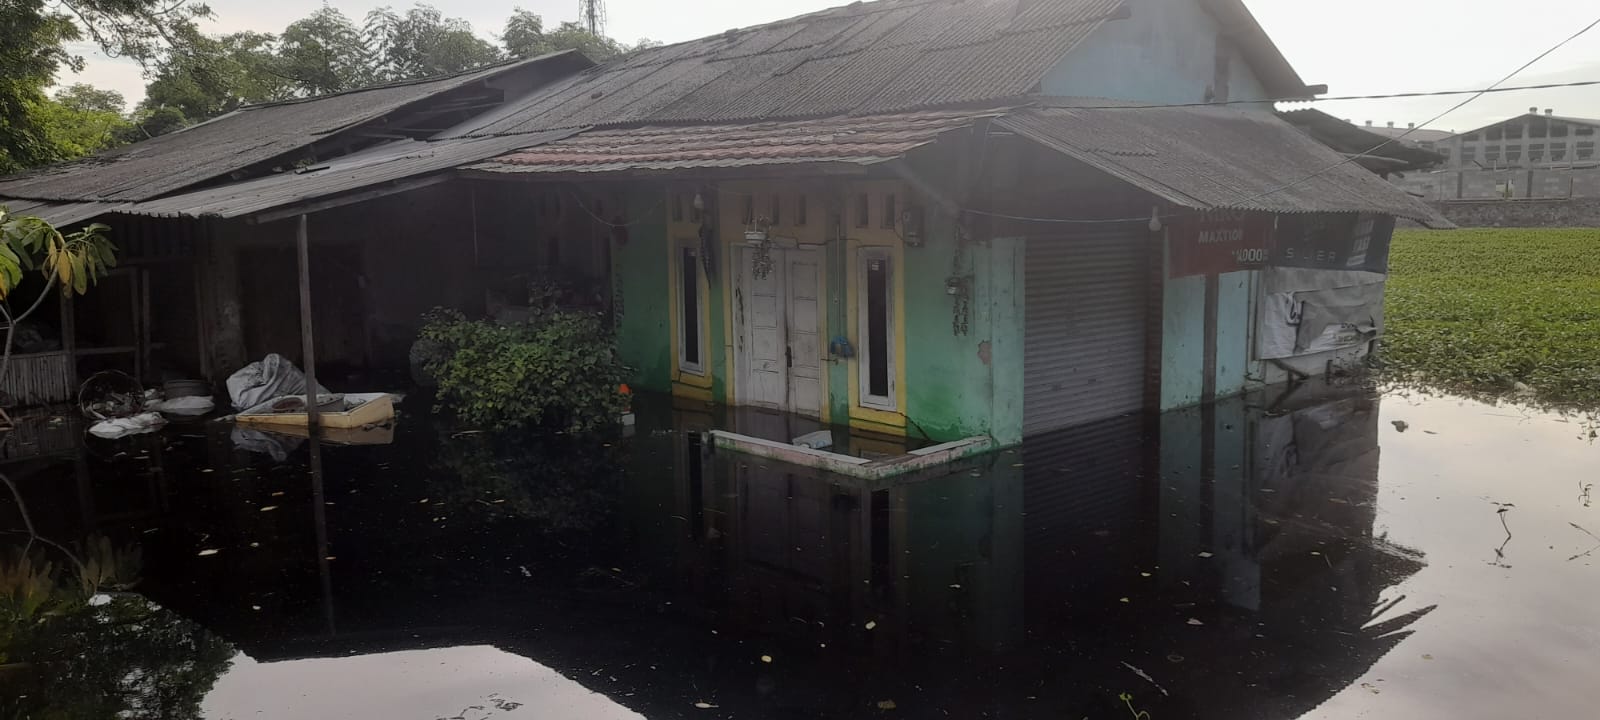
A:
<point x="75" y="260"/>
<point x="558" y="370"/>
<point x="1496" y="312"/>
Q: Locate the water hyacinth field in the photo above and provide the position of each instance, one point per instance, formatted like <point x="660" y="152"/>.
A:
<point x="1497" y="311"/>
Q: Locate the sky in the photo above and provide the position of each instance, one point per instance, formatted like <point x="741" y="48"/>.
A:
<point x="1356" y="47"/>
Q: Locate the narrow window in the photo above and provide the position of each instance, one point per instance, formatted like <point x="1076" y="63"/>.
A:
<point x="877" y="330"/>
<point x="677" y="207"/>
<point x="890" y="212"/>
<point x="749" y="210"/>
<point x="777" y="210"/>
<point x="863" y="208"/>
<point x="800" y="210"/>
<point x="689" y="360"/>
<point x="1583" y="130"/>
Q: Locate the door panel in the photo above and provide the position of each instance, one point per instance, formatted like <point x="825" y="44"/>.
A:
<point x="767" y="370"/>
<point x="805" y="343"/>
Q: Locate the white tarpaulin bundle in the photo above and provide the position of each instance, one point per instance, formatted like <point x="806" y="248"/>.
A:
<point x="271" y="377"/>
<point x="1308" y="311"/>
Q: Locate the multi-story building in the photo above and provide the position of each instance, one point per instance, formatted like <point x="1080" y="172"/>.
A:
<point x="1536" y="155"/>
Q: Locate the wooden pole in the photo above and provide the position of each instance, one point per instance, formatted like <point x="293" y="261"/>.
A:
<point x="307" y="351"/>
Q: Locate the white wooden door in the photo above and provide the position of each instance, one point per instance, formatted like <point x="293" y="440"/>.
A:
<point x="779" y="351"/>
<point x="801" y="278"/>
<point x="765" y="362"/>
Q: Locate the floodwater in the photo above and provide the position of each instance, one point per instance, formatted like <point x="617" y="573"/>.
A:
<point x="1323" y="555"/>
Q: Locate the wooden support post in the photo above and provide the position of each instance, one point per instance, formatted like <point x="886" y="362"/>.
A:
<point x="307" y="351"/>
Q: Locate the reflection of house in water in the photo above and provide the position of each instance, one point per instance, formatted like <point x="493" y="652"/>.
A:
<point x="1015" y="588"/>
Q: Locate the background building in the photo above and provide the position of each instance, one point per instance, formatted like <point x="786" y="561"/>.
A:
<point x="1538" y="155"/>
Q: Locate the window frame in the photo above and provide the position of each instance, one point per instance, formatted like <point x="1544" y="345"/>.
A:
<point x="683" y="251"/>
<point x="865" y="398"/>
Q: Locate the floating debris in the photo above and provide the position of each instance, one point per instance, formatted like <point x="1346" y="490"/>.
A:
<point x="209" y="551"/>
<point x="871" y="624"/>
<point x="1193" y="621"/>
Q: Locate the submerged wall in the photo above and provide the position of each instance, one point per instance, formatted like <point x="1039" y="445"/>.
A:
<point x="958" y="357"/>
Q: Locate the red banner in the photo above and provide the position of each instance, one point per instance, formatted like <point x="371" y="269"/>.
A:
<point x="1219" y="242"/>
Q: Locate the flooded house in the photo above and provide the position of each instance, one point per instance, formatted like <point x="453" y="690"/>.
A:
<point x="923" y="220"/>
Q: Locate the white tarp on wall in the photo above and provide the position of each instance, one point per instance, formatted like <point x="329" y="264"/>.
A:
<point x="1306" y="311"/>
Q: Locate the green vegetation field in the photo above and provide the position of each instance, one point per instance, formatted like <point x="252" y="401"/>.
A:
<point x="1484" y="309"/>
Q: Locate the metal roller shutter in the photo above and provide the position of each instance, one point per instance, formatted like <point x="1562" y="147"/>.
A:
<point x="1084" y="353"/>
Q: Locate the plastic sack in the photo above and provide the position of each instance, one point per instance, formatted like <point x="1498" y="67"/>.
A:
<point x="271" y="377"/>
<point x="123" y="427"/>
<point x="186" y="405"/>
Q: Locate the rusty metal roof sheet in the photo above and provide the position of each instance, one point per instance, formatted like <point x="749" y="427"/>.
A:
<point x="370" y="168"/>
<point x="244" y="138"/>
<point x="864" y="58"/>
<point x="1216" y="158"/>
<point x="856" y="140"/>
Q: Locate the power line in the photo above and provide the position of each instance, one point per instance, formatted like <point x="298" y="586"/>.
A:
<point x="1337" y="98"/>
<point x="1431" y="121"/>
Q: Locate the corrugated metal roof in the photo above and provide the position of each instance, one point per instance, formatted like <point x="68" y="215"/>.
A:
<point x="1358" y="142"/>
<point x="57" y="213"/>
<point x="1216" y="158"/>
<point x="864" y="58"/>
<point x="858" y="140"/>
<point x="398" y="160"/>
<point x="238" y="140"/>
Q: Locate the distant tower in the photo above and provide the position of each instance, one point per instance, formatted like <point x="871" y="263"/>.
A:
<point x="593" y="14"/>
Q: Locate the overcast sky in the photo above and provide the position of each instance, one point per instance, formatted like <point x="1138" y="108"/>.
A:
<point x="1356" y="47"/>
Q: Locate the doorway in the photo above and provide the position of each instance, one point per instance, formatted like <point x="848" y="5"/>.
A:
<point x="778" y="353"/>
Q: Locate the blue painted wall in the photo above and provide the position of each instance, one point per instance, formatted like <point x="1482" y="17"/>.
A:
<point x="1235" y="313"/>
<point x="1183" y="326"/>
<point x="1165" y="52"/>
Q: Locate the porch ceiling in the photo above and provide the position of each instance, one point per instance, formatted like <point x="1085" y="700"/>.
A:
<point x="1215" y="158"/>
<point x="853" y="140"/>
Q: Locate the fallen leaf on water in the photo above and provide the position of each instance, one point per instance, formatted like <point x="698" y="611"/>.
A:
<point x="209" y="551"/>
<point x="1204" y="555"/>
<point x="704" y="705"/>
<point x="886" y="705"/>
<point x="331" y="557"/>
<point x="423" y="501"/>
<point x="1193" y="621"/>
<point x="955" y="586"/>
<point x="1124" y="600"/>
<point x="278" y="494"/>
<point x="1144" y="574"/>
<point x="871" y="624"/>
<point x="766" y="658"/>
<point x="269" y="508"/>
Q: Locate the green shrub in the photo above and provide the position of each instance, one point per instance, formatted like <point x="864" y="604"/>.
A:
<point x="558" y="370"/>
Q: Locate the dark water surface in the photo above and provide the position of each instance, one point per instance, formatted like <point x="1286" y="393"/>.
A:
<point x="1270" y="558"/>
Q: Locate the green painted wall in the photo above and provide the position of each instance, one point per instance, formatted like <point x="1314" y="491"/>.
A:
<point x="639" y="289"/>
<point x="961" y="385"/>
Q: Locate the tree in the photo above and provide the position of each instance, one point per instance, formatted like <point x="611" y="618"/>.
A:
<point x="82" y="120"/>
<point x="33" y="47"/>
<point x="75" y="261"/>
<point x="324" y="53"/>
<point x="206" y="76"/>
<point x="525" y="37"/>
<point x="423" y="42"/>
